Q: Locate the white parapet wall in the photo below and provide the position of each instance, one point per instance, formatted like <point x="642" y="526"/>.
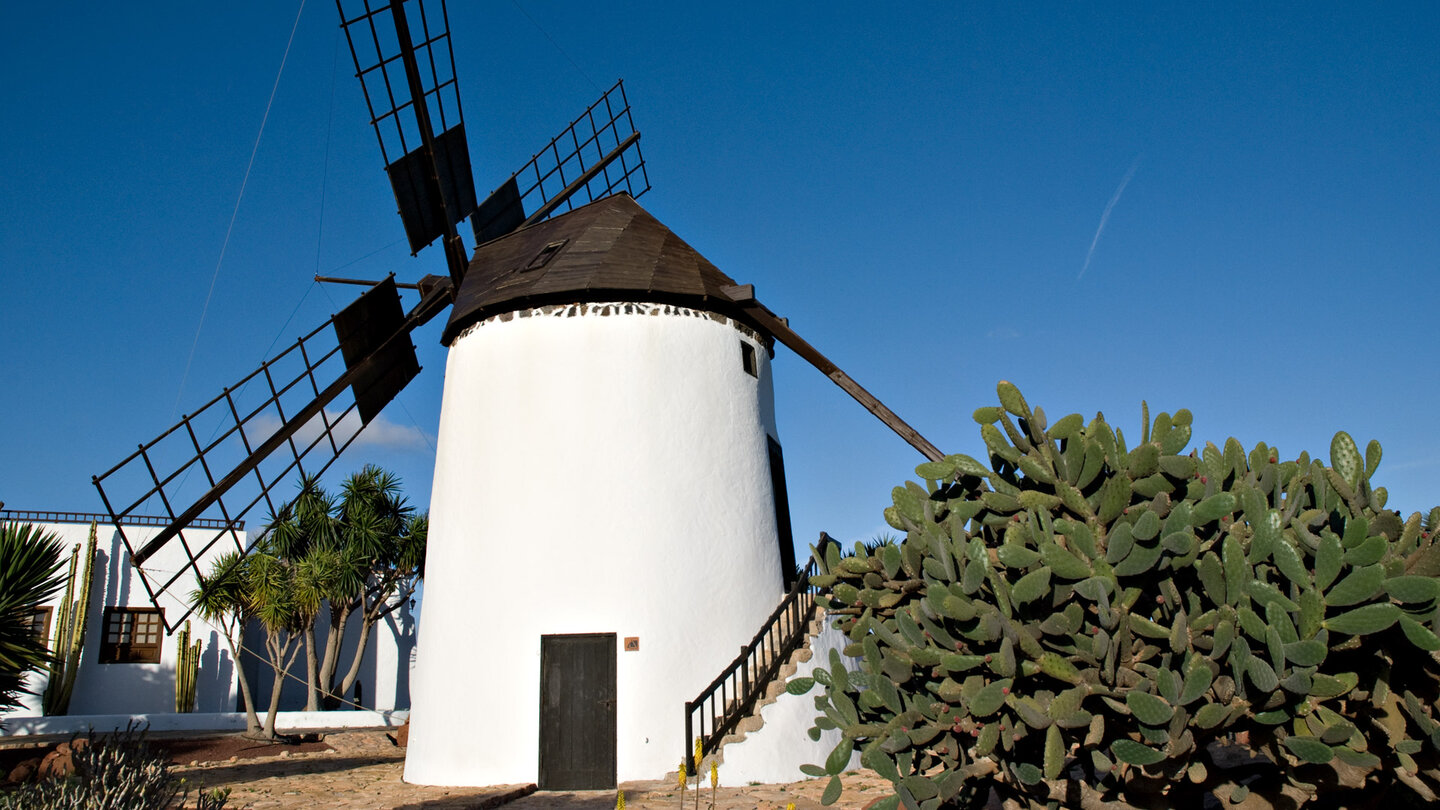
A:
<point x="600" y="470"/>
<point x="199" y="722"/>
<point x="774" y="753"/>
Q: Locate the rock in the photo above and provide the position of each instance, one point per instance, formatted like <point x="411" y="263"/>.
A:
<point x="24" y="771"/>
<point x="402" y="737"/>
<point x="56" y="764"/>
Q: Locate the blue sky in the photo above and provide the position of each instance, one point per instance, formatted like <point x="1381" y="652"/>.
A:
<point x="916" y="187"/>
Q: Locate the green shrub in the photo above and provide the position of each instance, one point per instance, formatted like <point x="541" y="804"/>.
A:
<point x="119" y="771"/>
<point x="1082" y="622"/>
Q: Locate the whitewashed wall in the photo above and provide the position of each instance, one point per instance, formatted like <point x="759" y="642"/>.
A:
<point x="595" y="474"/>
<point x="775" y="752"/>
<point x="104" y="689"/>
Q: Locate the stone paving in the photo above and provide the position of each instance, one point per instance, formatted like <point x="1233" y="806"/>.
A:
<point x="364" y="773"/>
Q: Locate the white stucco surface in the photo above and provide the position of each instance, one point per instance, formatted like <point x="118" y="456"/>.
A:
<point x="112" y="688"/>
<point x="595" y="474"/>
<point x="775" y="752"/>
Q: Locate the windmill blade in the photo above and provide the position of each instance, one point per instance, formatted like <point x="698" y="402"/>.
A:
<point x="410" y="90"/>
<point x="598" y="153"/>
<point x="744" y="296"/>
<point x="311" y="401"/>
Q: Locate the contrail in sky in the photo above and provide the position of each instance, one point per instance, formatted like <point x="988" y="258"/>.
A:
<point x="1105" y="217"/>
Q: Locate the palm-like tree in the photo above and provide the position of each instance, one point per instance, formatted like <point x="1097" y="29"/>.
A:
<point x="272" y="591"/>
<point x="259" y="586"/>
<point x="306" y="534"/>
<point x="386" y="542"/>
<point x="361" y="553"/>
<point x="223" y="600"/>
<point x="30" y="562"/>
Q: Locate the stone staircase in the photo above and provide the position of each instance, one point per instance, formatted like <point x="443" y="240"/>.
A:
<point x="749" y="693"/>
<point x="753" y="722"/>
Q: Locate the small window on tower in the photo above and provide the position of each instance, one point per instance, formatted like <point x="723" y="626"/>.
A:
<point x="544" y="256"/>
<point x="747" y="359"/>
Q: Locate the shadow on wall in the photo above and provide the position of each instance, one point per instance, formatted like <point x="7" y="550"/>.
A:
<point x="124" y="689"/>
<point x="368" y="690"/>
<point x="217" y="672"/>
<point x="402" y="624"/>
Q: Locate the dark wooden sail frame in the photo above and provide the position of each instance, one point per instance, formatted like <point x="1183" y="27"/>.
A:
<point x="341" y="381"/>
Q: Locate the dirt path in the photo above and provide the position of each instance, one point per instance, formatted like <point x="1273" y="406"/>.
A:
<point x="362" y="771"/>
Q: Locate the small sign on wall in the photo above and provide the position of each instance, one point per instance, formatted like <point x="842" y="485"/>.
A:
<point x="632" y="644"/>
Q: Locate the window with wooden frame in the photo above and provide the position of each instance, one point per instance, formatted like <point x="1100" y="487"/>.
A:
<point x="40" y="624"/>
<point x="748" y="361"/>
<point x="132" y="636"/>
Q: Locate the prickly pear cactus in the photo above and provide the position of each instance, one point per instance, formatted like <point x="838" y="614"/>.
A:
<point x="1081" y="621"/>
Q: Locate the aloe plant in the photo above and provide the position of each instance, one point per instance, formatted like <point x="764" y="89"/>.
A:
<point x="1082" y="621"/>
<point x="29" y="575"/>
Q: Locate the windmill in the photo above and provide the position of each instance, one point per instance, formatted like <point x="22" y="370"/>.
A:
<point x="607" y="463"/>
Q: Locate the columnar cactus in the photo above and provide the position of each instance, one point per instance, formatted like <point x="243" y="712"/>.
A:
<point x="1082" y="622"/>
<point x="187" y="670"/>
<point x="70" y="631"/>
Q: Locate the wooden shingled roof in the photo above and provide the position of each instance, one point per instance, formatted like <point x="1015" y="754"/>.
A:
<point x="609" y="250"/>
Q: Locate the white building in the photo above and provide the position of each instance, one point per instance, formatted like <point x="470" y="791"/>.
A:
<point x="128" y="663"/>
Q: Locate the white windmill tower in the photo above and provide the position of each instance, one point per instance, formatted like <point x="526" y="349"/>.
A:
<point x="608" y="518"/>
<point x="607" y="469"/>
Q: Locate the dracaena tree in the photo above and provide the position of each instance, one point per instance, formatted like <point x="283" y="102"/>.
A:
<point x="304" y="531"/>
<point x="222" y="601"/>
<point x="356" y="554"/>
<point x="258" y="587"/>
<point x="380" y="563"/>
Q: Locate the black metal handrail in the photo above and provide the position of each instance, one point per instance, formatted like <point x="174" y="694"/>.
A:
<point x="719" y="707"/>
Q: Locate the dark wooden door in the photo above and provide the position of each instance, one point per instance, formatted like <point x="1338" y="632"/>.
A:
<point x="577" y="712"/>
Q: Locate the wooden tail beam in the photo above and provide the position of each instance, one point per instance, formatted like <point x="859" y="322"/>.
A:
<point x="744" y="296"/>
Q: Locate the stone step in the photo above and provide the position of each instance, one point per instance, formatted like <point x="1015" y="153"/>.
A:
<point x="754" y="721"/>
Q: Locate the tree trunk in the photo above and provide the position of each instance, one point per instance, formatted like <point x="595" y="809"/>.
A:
<point x="252" y="720"/>
<point x="339" y="620"/>
<point x="312" y="671"/>
<point x="384" y="604"/>
<point x="354" y="671"/>
<point x="281" y="656"/>
<point x="274" y="708"/>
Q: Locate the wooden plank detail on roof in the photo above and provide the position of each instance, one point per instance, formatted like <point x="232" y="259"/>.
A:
<point x="614" y="250"/>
